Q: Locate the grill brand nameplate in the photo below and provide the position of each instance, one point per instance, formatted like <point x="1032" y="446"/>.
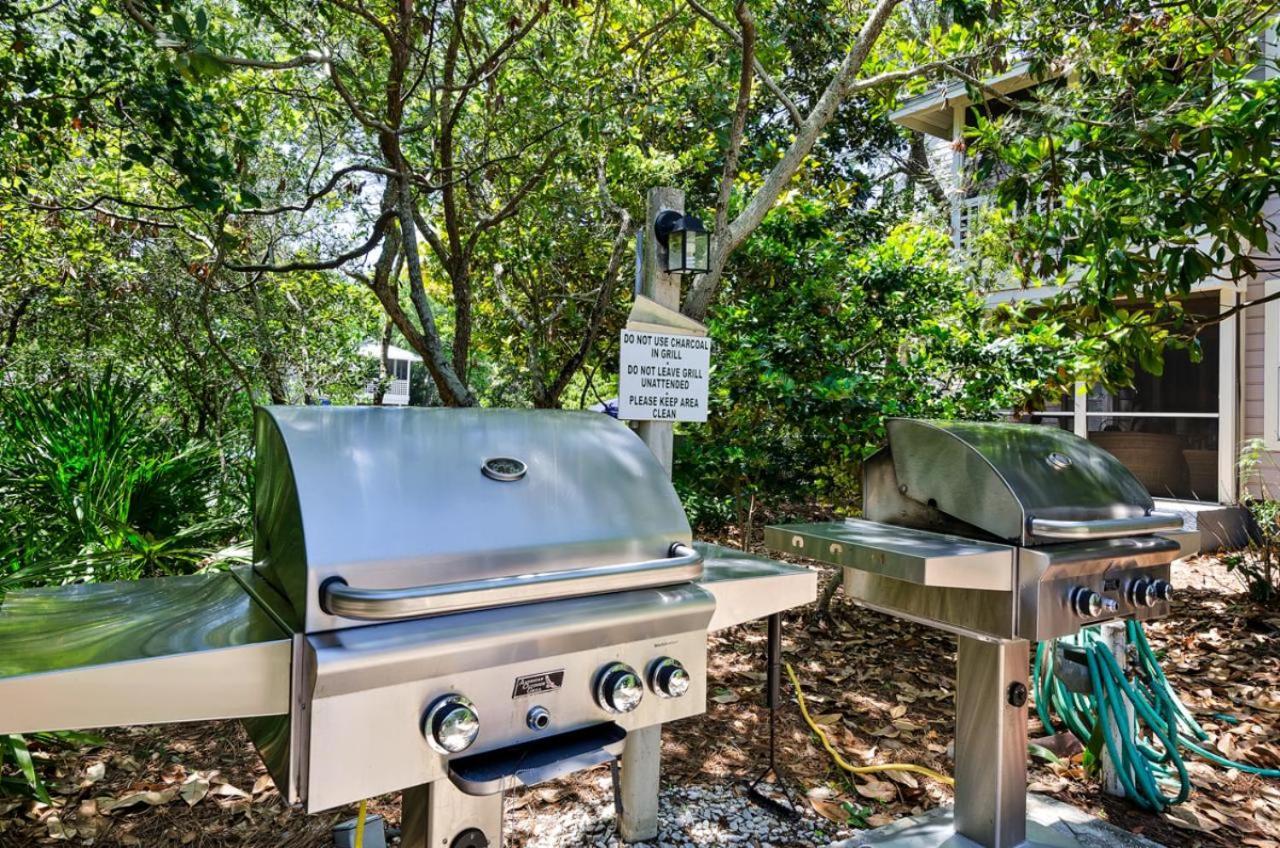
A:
<point x="536" y="684"/>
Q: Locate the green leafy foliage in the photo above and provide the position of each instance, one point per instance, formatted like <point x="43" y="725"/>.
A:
<point x="820" y="340"/>
<point x="93" y="488"/>
<point x="19" y="776"/>
<point x="1258" y="565"/>
<point x="1141" y="167"/>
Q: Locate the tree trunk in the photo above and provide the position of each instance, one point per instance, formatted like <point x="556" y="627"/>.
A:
<point x="384" y="365"/>
<point x="921" y="173"/>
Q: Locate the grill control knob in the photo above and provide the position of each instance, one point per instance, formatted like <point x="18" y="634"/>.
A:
<point x="1163" y="590"/>
<point x="668" y="678"/>
<point x="618" y="688"/>
<point x="1086" y="602"/>
<point x="538" y="718"/>
<point x="451" y="724"/>
<point x="1142" y="593"/>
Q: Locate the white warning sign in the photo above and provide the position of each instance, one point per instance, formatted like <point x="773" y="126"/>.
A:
<point x="663" y="377"/>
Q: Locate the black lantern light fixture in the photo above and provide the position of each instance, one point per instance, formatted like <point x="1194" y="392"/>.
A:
<point x="687" y="242"/>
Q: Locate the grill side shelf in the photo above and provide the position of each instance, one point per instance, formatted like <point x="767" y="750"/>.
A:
<point x="900" y="553"/>
<point x="748" y="587"/>
<point x="149" y="651"/>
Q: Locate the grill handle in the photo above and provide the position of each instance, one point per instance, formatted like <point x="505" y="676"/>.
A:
<point x="1105" y="528"/>
<point x="682" y="564"/>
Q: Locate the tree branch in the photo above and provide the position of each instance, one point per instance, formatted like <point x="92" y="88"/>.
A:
<point x="1235" y="310"/>
<point x="743" y="105"/>
<point x="325" y="189"/>
<point x="701" y="292"/>
<point x="379" y="230"/>
<point x="765" y="78"/>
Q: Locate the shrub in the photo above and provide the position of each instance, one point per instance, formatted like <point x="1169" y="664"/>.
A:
<point x="817" y="345"/>
<point x="91" y="488"/>
<point x="1258" y="565"/>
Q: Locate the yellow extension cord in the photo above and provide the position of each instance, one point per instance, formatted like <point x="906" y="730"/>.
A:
<point x="360" y="824"/>
<point x="840" y="761"/>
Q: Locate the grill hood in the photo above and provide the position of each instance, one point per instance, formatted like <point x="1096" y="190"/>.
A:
<point x="400" y="499"/>
<point x="1017" y="483"/>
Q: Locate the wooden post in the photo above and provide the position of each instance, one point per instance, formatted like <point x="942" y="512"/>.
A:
<point x="642" y="757"/>
<point x="1116" y="639"/>
<point x="664" y="288"/>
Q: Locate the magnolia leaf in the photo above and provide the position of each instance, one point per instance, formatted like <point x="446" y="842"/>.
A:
<point x="151" y="798"/>
<point x="726" y="696"/>
<point x="877" y="790"/>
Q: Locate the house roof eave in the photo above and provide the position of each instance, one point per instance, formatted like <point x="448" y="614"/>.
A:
<point x="930" y="112"/>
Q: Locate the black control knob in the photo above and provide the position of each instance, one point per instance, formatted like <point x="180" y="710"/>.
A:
<point x="1086" y="602"/>
<point x="1163" y="590"/>
<point x="472" y="837"/>
<point x="1142" y="593"/>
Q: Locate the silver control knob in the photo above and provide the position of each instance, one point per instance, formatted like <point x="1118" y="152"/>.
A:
<point x="538" y="718"/>
<point x="1086" y="602"/>
<point x="451" y="724"/>
<point x="1163" y="590"/>
<point x="668" y="678"/>
<point x="618" y="688"/>
<point x="1142" y="593"/>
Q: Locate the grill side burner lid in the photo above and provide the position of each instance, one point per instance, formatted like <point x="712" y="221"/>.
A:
<point x="422" y="511"/>
<point x="1019" y="483"/>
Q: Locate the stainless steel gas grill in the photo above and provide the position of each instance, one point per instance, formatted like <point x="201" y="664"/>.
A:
<point x="449" y="602"/>
<point x="999" y="533"/>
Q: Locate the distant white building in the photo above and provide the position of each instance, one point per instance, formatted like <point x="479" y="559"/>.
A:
<point x="399" y="366"/>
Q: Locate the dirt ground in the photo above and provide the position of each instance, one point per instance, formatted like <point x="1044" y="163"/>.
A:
<point x="883" y="690"/>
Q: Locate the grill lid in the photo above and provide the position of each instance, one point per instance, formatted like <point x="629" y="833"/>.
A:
<point x="1021" y="483"/>
<point x="449" y="509"/>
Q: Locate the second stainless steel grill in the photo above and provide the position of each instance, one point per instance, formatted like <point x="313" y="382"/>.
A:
<point x="1001" y="534"/>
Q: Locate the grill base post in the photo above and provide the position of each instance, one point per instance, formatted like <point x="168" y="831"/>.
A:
<point x="439" y="815"/>
<point x="1115" y="634"/>
<point x="991" y="741"/>
<point x="641" y="767"/>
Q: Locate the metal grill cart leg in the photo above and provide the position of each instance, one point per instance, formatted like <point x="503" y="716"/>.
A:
<point x="641" y="768"/>
<point x="991" y="741"/>
<point x="439" y="815"/>
<point x="1114" y="633"/>
<point x="990" y="762"/>
<point x="773" y="699"/>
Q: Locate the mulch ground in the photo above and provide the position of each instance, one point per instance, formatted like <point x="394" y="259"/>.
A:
<point x="882" y="689"/>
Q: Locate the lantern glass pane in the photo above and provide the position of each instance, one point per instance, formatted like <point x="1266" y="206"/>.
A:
<point x="700" y="261"/>
<point x="675" y="252"/>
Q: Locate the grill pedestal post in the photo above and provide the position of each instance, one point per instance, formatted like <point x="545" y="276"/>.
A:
<point x="439" y="815"/>
<point x="642" y="758"/>
<point x="991" y="741"/>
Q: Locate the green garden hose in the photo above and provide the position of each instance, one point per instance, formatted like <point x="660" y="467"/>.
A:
<point x="1145" y="762"/>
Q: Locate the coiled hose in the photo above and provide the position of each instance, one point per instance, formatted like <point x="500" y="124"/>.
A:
<point x="1141" y="765"/>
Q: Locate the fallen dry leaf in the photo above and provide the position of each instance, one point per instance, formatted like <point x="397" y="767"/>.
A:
<point x="877" y="790"/>
<point x="906" y="778"/>
<point x="195" y="788"/>
<point x="728" y="696"/>
<point x="151" y="798"/>
<point x="830" y="810"/>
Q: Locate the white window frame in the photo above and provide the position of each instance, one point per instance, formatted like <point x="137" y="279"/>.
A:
<point x="1271" y="368"/>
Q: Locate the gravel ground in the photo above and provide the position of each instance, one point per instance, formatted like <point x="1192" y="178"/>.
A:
<point x="689" y="817"/>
